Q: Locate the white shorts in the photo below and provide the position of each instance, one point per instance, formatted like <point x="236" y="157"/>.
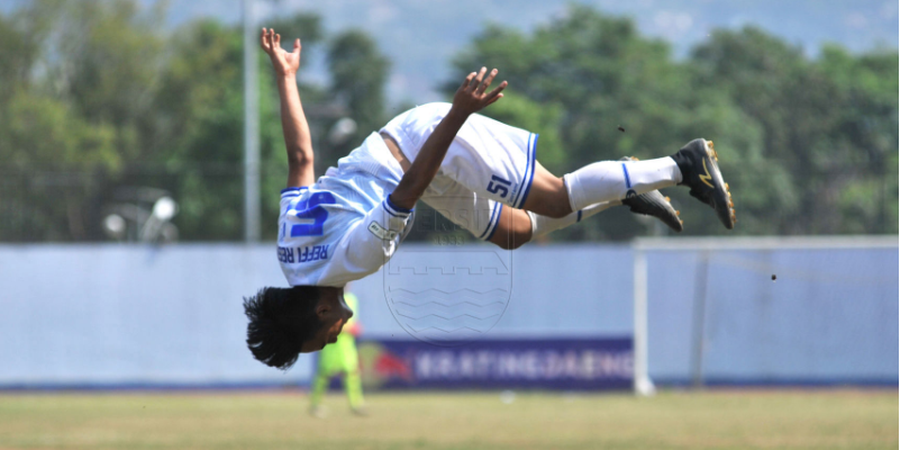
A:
<point x="488" y="157"/>
<point x="463" y="207"/>
<point x="488" y="165"/>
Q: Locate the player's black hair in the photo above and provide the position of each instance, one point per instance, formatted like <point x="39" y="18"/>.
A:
<point x="281" y="319"/>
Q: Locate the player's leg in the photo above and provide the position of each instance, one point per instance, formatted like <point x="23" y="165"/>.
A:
<point x="497" y="161"/>
<point x="516" y="226"/>
<point x="513" y="229"/>
<point x="477" y="214"/>
<point x="317" y="390"/>
<point x="599" y="182"/>
<point x="353" y="386"/>
<point x="493" y="221"/>
<point x="509" y="227"/>
<point x="694" y="166"/>
<point x="328" y="364"/>
<point x="352" y="379"/>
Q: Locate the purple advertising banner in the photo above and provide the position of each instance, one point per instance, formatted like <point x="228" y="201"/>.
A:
<point x="583" y="364"/>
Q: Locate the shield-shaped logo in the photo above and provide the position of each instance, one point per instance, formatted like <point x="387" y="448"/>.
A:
<point x="448" y="295"/>
<point x="446" y="290"/>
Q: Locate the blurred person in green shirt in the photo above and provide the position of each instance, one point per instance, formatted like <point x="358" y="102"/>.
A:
<point x="341" y="358"/>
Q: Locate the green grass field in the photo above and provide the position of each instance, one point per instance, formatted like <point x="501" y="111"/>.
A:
<point x="732" y="419"/>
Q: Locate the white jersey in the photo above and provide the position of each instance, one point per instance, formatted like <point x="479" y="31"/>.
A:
<point x="343" y="227"/>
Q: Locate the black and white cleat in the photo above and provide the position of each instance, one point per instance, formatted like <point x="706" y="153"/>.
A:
<point x="699" y="166"/>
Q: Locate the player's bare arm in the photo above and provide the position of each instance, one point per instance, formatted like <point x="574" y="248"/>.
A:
<point x="293" y="121"/>
<point x="470" y="98"/>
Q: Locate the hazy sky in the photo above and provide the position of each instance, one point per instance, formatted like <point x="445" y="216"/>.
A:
<point x="421" y="36"/>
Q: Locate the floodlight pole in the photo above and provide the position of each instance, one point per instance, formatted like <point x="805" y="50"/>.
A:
<point x="251" y="128"/>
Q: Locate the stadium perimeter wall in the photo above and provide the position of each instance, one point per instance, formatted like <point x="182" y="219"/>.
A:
<point x="142" y="316"/>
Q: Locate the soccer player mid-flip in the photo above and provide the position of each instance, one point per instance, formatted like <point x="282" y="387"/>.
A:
<point x="482" y="174"/>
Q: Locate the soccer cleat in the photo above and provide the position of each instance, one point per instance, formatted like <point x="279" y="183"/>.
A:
<point x="699" y="167"/>
<point x="654" y="204"/>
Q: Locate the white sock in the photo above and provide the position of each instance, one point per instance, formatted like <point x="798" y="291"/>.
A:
<point x="541" y="225"/>
<point x="612" y="180"/>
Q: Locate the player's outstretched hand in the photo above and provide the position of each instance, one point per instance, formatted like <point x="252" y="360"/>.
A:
<point x="284" y="63"/>
<point x="471" y="96"/>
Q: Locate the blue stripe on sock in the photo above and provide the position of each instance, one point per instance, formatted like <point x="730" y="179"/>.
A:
<point x="579" y="217"/>
<point x="627" y="179"/>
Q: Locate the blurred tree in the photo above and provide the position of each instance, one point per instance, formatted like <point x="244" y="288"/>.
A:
<point x="98" y="99"/>
<point x="809" y="146"/>
<point x="95" y="96"/>
<point x="308" y="28"/>
<point x="865" y="138"/>
<point x="359" y="72"/>
<point x="104" y="58"/>
<point x="543" y="119"/>
<point x="196" y="149"/>
<point x="199" y="126"/>
<point x="201" y="109"/>
<point x="20" y="36"/>
<point x="828" y="129"/>
<point x="599" y="74"/>
<point x="80" y="83"/>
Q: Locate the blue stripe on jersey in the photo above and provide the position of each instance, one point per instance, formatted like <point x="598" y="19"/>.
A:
<point x="490" y="224"/>
<point x="532" y="153"/>
<point x="627" y="179"/>
<point x="291" y="189"/>
<point x="488" y="238"/>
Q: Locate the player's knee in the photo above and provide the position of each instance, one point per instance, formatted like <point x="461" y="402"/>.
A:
<point x="512" y="241"/>
<point x="554" y="205"/>
<point x="516" y="244"/>
<point x="558" y="209"/>
<point x="507" y="245"/>
<point x="549" y="197"/>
